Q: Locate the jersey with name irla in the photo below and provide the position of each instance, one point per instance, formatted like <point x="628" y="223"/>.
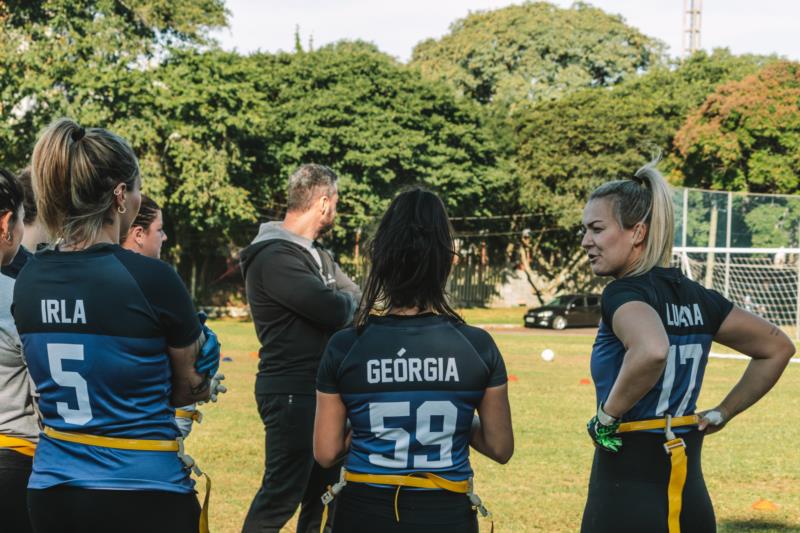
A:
<point x="95" y="327"/>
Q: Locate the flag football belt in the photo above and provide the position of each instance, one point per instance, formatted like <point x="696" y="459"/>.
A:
<point x="676" y="449"/>
<point x="23" y="446"/>
<point x="147" y="445"/>
<point x="194" y="416"/>
<point x="418" y="480"/>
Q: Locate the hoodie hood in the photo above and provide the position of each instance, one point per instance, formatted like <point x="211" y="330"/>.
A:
<point x="274" y="230"/>
<point x="268" y="233"/>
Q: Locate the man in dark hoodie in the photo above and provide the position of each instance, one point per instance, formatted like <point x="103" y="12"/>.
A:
<point x="298" y="297"/>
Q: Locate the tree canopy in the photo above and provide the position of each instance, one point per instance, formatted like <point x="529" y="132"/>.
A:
<point x="566" y="148"/>
<point x="380" y="126"/>
<point x="746" y="134"/>
<point x="535" y="51"/>
<point x="516" y="114"/>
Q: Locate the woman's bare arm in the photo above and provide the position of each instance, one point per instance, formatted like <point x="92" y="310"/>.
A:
<point x="187" y="385"/>
<point x="642" y="333"/>
<point x="770" y="350"/>
<point x="493" y="435"/>
<point x="329" y="429"/>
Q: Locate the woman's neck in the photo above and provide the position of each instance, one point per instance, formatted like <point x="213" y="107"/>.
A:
<point x="408" y="311"/>
<point x="109" y="234"/>
<point x="35" y="234"/>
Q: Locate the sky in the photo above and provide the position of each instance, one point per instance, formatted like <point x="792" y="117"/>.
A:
<point x="744" y="26"/>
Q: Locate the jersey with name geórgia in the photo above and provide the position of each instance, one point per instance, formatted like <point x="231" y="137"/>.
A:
<point x="691" y="315"/>
<point x="95" y="327"/>
<point x="411" y="386"/>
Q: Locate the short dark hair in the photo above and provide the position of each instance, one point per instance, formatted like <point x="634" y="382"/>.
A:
<point x="306" y="182"/>
<point x="411" y="257"/>
<point x="26" y="182"/>
<point x="148" y="210"/>
<point x="147" y="213"/>
<point x="11" y="194"/>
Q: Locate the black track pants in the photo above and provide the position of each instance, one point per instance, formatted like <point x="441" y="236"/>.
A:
<point x="15" y="469"/>
<point x="74" y="510"/>
<point x="365" y="509"/>
<point x="291" y="476"/>
<point x="628" y="490"/>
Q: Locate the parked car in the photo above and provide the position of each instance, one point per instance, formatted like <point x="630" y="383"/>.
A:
<point x="566" y="310"/>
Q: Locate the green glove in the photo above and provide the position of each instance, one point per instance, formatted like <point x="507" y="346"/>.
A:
<point x="602" y="429"/>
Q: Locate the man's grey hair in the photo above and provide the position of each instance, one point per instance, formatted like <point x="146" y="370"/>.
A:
<point x="309" y="182"/>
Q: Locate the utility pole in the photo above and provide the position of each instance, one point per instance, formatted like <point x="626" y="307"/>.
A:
<point x="691" y="26"/>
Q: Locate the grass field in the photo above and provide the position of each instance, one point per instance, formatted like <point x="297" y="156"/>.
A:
<point x="543" y="487"/>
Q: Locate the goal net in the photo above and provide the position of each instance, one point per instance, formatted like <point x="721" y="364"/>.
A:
<point x="746" y="246"/>
<point x="762" y="281"/>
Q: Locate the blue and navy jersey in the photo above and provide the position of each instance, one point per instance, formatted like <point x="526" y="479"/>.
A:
<point x="691" y="315"/>
<point x="95" y="327"/>
<point x="411" y="386"/>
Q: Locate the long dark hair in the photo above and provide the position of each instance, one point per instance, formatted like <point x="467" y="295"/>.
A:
<point x="411" y="257"/>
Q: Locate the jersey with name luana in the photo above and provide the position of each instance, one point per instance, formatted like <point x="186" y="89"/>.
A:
<point x="691" y="315"/>
<point x="411" y="386"/>
<point x="95" y="327"/>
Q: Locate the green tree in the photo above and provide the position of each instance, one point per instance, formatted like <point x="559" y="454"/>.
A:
<point x="535" y="51"/>
<point x="746" y="135"/>
<point x="89" y="59"/>
<point x="211" y="140"/>
<point x="381" y="126"/>
<point x="565" y="148"/>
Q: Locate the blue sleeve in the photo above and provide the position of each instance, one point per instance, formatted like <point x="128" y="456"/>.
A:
<point x="618" y="293"/>
<point x="720" y="306"/>
<point x="335" y="352"/>
<point x="487" y="350"/>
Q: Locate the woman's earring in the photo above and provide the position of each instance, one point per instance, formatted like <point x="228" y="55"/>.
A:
<point x="9" y="238"/>
<point x="121" y="209"/>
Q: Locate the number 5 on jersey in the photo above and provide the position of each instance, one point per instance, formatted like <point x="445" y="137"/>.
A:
<point x="56" y="353"/>
<point x="424" y="434"/>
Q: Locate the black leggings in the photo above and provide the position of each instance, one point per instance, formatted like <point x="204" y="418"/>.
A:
<point x="628" y="490"/>
<point x="15" y="469"/>
<point x="74" y="510"/>
<point x="365" y="509"/>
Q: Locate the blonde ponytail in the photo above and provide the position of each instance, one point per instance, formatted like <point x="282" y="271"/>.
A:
<point x="75" y="171"/>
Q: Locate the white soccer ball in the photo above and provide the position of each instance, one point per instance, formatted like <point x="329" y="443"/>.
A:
<point x="548" y="354"/>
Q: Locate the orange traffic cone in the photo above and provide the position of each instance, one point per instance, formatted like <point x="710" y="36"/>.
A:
<point x="765" y="505"/>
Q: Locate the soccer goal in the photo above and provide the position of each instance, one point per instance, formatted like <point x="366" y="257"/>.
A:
<point x="760" y="280"/>
<point x="746" y="246"/>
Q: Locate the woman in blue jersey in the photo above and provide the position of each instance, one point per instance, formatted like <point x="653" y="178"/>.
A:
<point x="145" y="236"/>
<point x="19" y="427"/>
<point x="409" y="380"/>
<point x="112" y="341"/>
<point x="648" y="363"/>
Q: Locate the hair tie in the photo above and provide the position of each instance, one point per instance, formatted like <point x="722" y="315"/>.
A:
<point x="78" y="134"/>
